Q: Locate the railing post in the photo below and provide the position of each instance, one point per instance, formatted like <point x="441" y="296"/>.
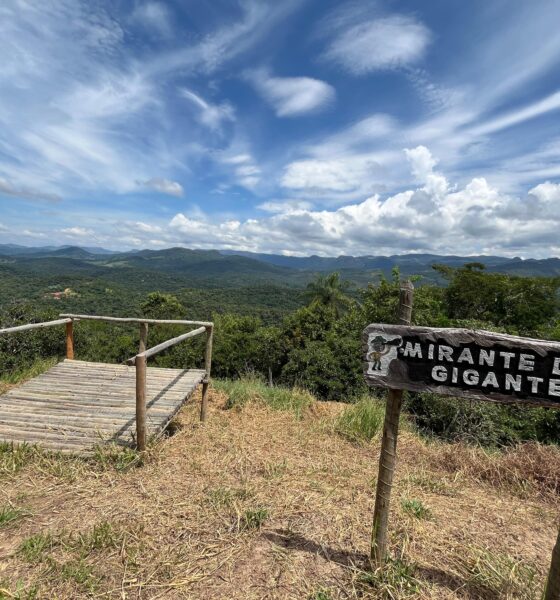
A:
<point x="207" y="368"/>
<point x="143" y="337"/>
<point x="141" y="403"/>
<point x="70" y="340"/>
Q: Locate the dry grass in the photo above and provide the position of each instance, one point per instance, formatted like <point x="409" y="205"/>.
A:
<point x="265" y="503"/>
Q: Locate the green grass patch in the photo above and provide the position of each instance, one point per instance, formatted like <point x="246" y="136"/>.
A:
<point x="396" y="579"/>
<point x="23" y="374"/>
<point x="102" y="535"/>
<point x="113" y="456"/>
<point x="253" y="518"/>
<point x="252" y="389"/>
<point x="501" y="576"/>
<point x="416" y="509"/>
<point x="361" y="421"/>
<point x="14" y="457"/>
<point x="20" y="592"/>
<point x="79" y="572"/>
<point x="35" y="548"/>
<point x="226" y="497"/>
<point x="9" y="514"/>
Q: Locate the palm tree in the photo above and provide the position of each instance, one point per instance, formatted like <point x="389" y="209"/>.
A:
<point x="329" y="290"/>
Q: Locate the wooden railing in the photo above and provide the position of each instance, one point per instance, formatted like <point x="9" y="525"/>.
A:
<point x="140" y="359"/>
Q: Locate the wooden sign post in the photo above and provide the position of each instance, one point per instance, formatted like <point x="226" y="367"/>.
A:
<point x="460" y="363"/>
<point x="388" y="457"/>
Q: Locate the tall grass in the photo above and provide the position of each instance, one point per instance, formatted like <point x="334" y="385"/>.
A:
<point x="252" y="389"/>
<point x="361" y="421"/>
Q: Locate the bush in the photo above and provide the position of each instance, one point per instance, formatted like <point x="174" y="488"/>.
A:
<point x="363" y="420"/>
<point x="482" y="423"/>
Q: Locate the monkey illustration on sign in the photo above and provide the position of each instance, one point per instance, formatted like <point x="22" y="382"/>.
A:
<point x="380" y="346"/>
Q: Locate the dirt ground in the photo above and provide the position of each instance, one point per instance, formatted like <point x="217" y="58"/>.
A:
<point x="256" y="504"/>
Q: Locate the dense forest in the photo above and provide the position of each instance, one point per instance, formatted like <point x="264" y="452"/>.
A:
<point x="300" y="335"/>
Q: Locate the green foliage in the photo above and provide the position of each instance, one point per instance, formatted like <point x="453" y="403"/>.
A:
<point x="416" y="508"/>
<point x="363" y="420"/>
<point x="33" y="549"/>
<point x="524" y="305"/>
<point x="253" y="518"/>
<point x="9" y="514"/>
<point x="482" y="423"/>
<point x="162" y="306"/>
<point x="330" y="291"/>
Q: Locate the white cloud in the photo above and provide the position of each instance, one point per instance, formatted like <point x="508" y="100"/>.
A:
<point x="77" y="232"/>
<point x="3" y="227"/>
<point x="284" y="206"/>
<point x="153" y="16"/>
<point x="351" y="175"/>
<point x="292" y="96"/>
<point x="146" y="227"/>
<point x="242" y="165"/>
<point x="435" y="217"/>
<point x="26" y="193"/>
<point x="212" y="116"/>
<point x="165" y="186"/>
<point x="382" y="43"/>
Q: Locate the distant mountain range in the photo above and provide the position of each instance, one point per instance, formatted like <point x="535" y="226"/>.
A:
<point x="214" y="267"/>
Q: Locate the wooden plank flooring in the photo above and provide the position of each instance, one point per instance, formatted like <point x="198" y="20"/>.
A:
<point x="76" y="405"/>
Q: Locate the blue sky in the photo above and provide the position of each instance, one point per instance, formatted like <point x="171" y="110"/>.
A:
<point x="293" y="126"/>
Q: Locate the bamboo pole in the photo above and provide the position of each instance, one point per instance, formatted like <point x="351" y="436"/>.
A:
<point x="70" y="340"/>
<point x="552" y="591"/>
<point x="143" y="337"/>
<point x="141" y="402"/>
<point x="207" y="367"/>
<point x="388" y="457"/>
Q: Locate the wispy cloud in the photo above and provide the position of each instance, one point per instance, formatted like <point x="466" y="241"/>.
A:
<point x="384" y="42"/>
<point x="164" y="186"/>
<point x="292" y="96"/>
<point x="212" y="116"/>
<point x="154" y="17"/>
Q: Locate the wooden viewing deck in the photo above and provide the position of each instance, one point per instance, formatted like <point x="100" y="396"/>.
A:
<point x="76" y="404"/>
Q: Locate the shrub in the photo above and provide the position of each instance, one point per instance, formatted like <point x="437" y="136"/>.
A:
<point x="482" y="423"/>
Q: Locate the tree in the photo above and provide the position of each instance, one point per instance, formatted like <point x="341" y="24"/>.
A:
<point x="162" y="306"/>
<point x="329" y="290"/>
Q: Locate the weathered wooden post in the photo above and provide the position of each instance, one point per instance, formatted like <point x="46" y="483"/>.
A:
<point x="388" y="457"/>
<point x="552" y="591"/>
<point x="207" y="367"/>
<point x="70" y="340"/>
<point x="140" y="363"/>
<point x="143" y="337"/>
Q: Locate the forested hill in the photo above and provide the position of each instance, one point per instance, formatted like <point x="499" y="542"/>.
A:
<point x="224" y="267"/>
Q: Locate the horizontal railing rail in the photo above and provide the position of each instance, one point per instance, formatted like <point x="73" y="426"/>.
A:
<point x="30" y="326"/>
<point x="136" y="320"/>
<point x="164" y="345"/>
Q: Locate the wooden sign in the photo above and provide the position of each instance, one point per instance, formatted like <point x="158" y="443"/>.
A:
<point x="463" y="362"/>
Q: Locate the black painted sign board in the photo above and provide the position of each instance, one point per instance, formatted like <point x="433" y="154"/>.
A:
<point x="463" y="363"/>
